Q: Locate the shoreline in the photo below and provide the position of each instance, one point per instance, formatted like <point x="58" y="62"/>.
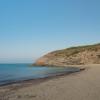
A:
<point x="82" y="85"/>
<point x="13" y="87"/>
<point x="28" y="81"/>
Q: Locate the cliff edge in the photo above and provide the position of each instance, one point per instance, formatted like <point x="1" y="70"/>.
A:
<point x="80" y="55"/>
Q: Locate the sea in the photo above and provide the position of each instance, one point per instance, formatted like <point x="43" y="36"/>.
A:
<point x="10" y="73"/>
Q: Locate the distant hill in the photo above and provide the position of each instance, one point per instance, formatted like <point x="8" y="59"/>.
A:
<point x="79" y="55"/>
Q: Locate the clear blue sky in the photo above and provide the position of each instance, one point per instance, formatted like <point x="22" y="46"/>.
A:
<point x="31" y="28"/>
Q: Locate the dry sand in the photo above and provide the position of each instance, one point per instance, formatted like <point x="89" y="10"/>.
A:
<point x="84" y="85"/>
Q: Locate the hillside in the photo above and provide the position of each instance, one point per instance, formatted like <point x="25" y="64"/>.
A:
<point x="80" y="55"/>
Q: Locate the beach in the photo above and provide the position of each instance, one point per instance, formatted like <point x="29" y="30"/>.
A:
<point x="83" y="85"/>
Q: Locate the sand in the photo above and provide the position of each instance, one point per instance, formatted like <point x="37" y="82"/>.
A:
<point x="84" y="85"/>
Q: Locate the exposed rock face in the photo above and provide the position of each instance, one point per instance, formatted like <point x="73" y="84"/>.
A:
<point x="72" y="56"/>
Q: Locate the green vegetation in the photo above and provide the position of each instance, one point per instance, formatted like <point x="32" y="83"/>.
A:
<point x="75" y="50"/>
<point x="79" y="55"/>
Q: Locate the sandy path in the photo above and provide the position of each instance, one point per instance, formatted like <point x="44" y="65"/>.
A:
<point x="84" y="85"/>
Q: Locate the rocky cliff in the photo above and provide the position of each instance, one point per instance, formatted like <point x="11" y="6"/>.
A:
<point x="80" y="55"/>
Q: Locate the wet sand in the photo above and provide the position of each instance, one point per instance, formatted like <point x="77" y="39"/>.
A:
<point x="84" y="85"/>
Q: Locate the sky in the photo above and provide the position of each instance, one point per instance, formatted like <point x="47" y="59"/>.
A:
<point x="32" y="28"/>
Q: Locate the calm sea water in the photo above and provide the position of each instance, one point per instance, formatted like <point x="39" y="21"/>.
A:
<point x="10" y="73"/>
